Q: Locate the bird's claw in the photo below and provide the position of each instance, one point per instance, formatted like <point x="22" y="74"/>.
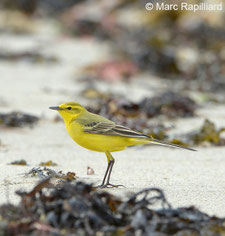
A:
<point x="108" y="185"/>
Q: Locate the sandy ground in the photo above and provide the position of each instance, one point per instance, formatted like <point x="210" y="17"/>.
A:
<point x="188" y="178"/>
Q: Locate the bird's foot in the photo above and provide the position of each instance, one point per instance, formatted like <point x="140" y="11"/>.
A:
<point x="108" y="185"/>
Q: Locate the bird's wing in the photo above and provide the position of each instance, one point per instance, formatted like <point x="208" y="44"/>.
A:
<point x="112" y="129"/>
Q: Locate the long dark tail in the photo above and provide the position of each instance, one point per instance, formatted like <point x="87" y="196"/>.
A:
<point x="166" y="144"/>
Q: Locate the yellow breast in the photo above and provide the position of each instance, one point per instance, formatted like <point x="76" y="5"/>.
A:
<point x="96" y="142"/>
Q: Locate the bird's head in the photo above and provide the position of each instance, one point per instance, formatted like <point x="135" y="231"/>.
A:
<point x="69" y="110"/>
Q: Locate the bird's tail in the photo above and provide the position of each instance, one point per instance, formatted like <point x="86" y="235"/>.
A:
<point x="166" y="144"/>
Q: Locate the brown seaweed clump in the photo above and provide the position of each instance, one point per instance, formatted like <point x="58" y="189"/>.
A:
<point x="169" y="104"/>
<point x="46" y="173"/>
<point x="48" y="163"/>
<point x="19" y="162"/>
<point x="17" y="119"/>
<point x="27" y="56"/>
<point x="78" y="209"/>
<point x="208" y="134"/>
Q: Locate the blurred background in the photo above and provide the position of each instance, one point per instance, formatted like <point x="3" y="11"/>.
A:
<point x="141" y="68"/>
<point x="161" y="72"/>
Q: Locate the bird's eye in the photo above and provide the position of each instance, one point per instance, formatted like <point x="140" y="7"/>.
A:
<point x="69" y="108"/>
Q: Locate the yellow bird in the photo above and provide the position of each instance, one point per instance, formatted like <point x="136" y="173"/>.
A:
<point x="99" y="134"/>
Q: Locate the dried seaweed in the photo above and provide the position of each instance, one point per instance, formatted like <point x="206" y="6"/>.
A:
<point x="173" y="45"/>
<point x="78" y="209"/>
<point x="45" y="173"/>
<point x="169" y="44"/>
<point x="48" y="163"/>
<point x="19" y="163"/>
<point x="32" y="57"/>
<point x="17" y="119"/>
<point x="169" y="104"/>
<point x="208" y="134"/>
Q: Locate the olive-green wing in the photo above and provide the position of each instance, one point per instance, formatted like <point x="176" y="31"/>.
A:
<point x="110" y="128"/>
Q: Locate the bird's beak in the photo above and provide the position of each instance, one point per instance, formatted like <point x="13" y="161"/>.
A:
<point x="55" y="108"/>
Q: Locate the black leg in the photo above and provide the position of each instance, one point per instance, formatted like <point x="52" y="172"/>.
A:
<point x="110" y="171"/>
<point x="111" y="162"/>
<point x="102" y="185"/>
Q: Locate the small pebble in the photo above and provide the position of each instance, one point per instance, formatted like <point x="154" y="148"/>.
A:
<point x="90" y="171"/>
